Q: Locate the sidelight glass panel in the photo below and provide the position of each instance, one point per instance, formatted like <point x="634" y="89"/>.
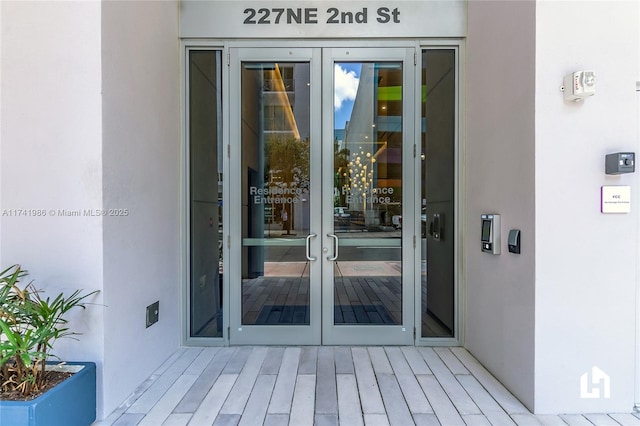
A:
<point x="275" y="192"/>
<point x="437" y="193"/>
<point x="367" y="202"/>
<point x="205" y="196"/>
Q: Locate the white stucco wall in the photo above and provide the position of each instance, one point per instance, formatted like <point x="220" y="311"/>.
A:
<point x="499" y="167"/>
<point x="586" y="261"/>
<point x="90" y="119"/>
<point x="51" y="155"/>
<point x="141" y="163"/>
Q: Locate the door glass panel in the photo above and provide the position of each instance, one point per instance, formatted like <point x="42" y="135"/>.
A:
<point x="275" y="192"/>
<point x="205" y="177"/>
<point x="367" y="201"/>
<point x="437" y="193"/>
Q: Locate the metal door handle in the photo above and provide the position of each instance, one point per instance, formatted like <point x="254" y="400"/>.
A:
<point x="308" y="253"/>
<point x="335" y="247"/>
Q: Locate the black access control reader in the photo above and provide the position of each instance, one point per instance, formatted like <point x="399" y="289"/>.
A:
<point x="513" y="241"/>
<point x="490" y="233"/>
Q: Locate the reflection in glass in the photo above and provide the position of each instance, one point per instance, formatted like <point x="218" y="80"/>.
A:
<point x="205" y="177"/>
<point x="367" y="164"/>
<point x="275" y="193"/>
<point x="437" y="192"/>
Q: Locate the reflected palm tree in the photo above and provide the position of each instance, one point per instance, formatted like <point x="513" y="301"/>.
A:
<point x="287" y="167"/>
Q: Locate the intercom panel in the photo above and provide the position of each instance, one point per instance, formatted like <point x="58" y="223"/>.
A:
<point x="490" y="237"/>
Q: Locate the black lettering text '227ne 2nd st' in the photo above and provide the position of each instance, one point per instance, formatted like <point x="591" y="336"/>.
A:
<point x="310" y="15"/>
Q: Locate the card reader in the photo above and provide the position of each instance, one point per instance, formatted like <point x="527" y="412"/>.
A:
<point x="490" y="233"/>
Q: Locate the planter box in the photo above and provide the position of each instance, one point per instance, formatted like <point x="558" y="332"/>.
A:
<point x="72" y="402"/>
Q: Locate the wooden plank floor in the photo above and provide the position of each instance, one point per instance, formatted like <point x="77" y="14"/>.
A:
<point x="327" y="385"/>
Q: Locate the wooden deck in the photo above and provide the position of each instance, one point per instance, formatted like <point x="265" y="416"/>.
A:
<point x="331" y="386"/>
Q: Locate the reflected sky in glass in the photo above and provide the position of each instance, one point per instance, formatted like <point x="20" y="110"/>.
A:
<point x="345" y="90"/>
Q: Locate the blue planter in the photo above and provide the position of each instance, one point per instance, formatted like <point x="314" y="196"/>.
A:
<point x="72" y="402"/>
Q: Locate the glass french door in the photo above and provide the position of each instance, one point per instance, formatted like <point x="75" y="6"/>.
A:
<point x="320" y="150"/>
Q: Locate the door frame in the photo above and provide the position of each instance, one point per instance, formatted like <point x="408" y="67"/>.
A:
<point x="271" y="334"/>
<point x="458" y="44"/>
<point x="343" y="334"/>
<point x="321" y="329"/>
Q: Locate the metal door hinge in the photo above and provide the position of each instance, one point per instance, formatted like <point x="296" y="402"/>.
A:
<point x="228" y="150"/>
<point x="228" y="332"/>
<point x="228" y="59"/>
<point x="415" y="149"/>
<point x="228" y="241"/>
<point x="414" y="333"/>
<point x="415" y="58"/>
<point x="414" y="241"/>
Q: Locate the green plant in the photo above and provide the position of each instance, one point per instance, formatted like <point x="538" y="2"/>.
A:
<point x="29" y="325"/>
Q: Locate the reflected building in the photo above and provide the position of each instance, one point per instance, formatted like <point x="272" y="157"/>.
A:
<point x="372" y="148"/>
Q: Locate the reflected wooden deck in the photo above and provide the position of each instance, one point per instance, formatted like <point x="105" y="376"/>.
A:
<point x="262" y="292"/>
<point x="365" y="293"/>
<point x="362" y="294"/>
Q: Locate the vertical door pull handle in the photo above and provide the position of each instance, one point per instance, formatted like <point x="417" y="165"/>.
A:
<point x="335" y="247"/>
<point x="308" y="252"/>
